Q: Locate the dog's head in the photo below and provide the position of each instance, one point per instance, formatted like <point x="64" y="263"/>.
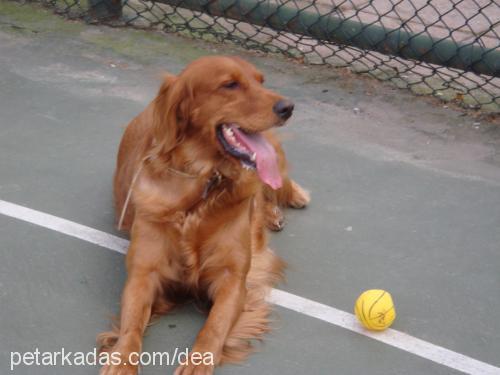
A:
<point x="222" y="101"/>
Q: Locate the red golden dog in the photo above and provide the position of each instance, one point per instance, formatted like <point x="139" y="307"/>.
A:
<point x="199" y="176"/>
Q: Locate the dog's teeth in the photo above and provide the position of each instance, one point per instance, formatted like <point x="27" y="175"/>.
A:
<point x="254" y="156"/>
<point x="229" y="133"/>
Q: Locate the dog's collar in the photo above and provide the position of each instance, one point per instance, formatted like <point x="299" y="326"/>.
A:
<point x="214" y="181"/>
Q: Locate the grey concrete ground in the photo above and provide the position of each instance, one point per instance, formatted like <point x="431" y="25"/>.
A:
<point x="406" y="197"/>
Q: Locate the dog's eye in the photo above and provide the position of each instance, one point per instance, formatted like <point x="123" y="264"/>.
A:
<point x="231" y="85"/>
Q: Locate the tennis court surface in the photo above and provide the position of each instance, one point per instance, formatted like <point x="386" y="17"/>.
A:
<point x="405" y="197"/>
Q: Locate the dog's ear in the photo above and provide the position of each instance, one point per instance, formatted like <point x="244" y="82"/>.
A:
<point x="171" y="113"/>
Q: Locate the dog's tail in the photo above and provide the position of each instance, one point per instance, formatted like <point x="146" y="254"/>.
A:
<point x="266" y="270"/>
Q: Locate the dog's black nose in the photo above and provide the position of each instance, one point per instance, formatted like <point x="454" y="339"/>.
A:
<point x="283" y="108"/>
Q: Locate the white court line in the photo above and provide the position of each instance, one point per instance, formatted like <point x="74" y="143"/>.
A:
<point x="287" y="300"/>
<point x="64" y="226"/>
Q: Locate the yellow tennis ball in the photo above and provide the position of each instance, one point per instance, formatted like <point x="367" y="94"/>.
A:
<point x="375" y="309"/>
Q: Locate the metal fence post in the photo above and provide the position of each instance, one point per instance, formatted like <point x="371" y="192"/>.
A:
<point x="105" y="9"/>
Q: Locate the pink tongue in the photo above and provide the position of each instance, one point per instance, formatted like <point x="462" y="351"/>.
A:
<point x="266" y="158"/>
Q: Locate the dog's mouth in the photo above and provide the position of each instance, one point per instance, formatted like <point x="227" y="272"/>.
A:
<point x="253" y="151"/>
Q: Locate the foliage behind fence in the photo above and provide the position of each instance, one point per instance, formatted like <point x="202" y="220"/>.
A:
<point x="447" y="48"/>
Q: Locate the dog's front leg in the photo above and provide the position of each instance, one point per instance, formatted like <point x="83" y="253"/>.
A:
<point x="142" y="286"/>
<point x="228" y="303"/>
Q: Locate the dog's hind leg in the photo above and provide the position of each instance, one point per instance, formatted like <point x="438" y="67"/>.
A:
<point x="291" y="194"/>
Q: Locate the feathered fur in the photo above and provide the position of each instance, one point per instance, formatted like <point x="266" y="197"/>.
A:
<point x="191" y="240"/>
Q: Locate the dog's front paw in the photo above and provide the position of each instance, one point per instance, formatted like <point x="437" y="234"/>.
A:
<point x="120" y="362"/>
<point x="191" y="369"/>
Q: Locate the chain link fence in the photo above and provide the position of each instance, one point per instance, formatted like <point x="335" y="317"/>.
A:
<point x="446" y="48"/>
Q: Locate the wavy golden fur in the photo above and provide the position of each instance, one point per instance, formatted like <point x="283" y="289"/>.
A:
<point x="197" y="218"/>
